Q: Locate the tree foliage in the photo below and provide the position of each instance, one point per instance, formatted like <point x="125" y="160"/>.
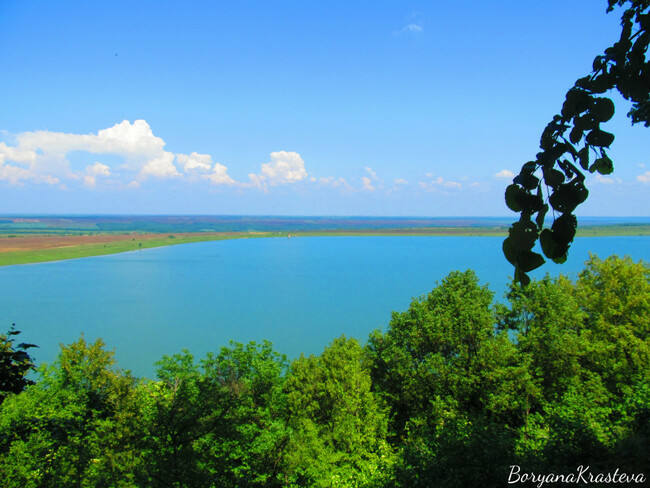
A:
<point x="453" y="393"/>
<point x="575" y="143"/>
<point x="338" y="424"/>
<point x="15" y="363"/>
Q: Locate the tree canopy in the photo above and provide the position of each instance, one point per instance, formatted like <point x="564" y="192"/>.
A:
<point x="454" y="392"/>
<point x="574" y="144"/>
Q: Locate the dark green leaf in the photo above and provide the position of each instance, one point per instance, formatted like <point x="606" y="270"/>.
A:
<point x="527" y="180"/>
<point x="509" y="251"/>
<point x="601" y="83"/>
<point x="603" y="165"/>
<point x="549" y="246"/>
<point x="577" y="101"/>
<point x="575" y="135"/>
<point x="583" y="154"/>
<point x="600" y="138"/>
<point x="523" y="234"/>
<point x="529" y="260"/>
<point x="564" y="229"/>
<point x="585" y="122"/>
<point x="568" y="196"/>
<point x="603" y="109"/>
<point x="529" y="167"/>
<point x="561" y="259"/>
<point x="512" y="192"/>
<point x="553" y="177"/>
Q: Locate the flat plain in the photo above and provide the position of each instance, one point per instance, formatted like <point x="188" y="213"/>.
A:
<point x="32" y="239"/>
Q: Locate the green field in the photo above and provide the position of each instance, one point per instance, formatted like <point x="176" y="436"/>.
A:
<point x="88" y="250"/>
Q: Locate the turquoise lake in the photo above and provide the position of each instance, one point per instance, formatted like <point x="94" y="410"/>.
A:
<point x="299" y="293"/>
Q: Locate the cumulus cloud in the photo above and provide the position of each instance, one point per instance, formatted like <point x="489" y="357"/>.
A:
<point x="160" y="167"/>
<point x="504" y="174"/>
<point x="644" y="178"/>
<point x="284" y="168"/>
<point x="219" y="176"/>
<point x="400" y="181"/>
<point x="42" y="157"/>
<point x="195" y="162"/>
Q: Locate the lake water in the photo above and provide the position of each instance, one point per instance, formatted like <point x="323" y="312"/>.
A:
<point x="299" y="293"/>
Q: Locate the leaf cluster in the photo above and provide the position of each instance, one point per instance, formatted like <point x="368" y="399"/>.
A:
<point x="575" y="143"/>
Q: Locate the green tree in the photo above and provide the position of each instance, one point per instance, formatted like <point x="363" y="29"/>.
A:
<point x="615" y="296"/>
<point x="15" y="364"/>
<point x="66" y="429"/>
<point x="432" y="350"/>
<point x="587" y="344"/>
<point x="458" y="389"/>
<point x="338" y="424"/>
<point x="218" y="422"/>
<point x="574" y="143"/>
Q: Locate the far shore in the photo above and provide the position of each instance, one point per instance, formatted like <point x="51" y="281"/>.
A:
<point x="38" y="248"/>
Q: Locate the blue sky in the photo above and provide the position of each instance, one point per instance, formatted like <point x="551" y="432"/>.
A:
<point x="295" y="108"/>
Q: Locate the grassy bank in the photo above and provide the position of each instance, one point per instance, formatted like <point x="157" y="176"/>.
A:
<point x="135" y="244"/>
<point x="141" y="242"/>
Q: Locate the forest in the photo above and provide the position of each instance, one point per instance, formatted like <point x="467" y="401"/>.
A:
<point x="458" y="391"/>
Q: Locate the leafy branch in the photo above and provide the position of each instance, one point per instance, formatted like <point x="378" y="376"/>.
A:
<point x="574" y="143"/>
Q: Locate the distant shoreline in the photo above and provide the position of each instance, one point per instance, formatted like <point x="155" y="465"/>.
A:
<point x="26" y="246"/>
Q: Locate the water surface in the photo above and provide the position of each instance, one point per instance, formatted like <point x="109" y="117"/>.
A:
<point x="300" y="293"/>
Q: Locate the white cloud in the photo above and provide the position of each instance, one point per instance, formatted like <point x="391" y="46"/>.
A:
<point x="400" y="181"/>
<point x="98" y="169"/>
<point x="604" y="180"/>
<point x="371" y="172"/>
<point x="284" y="168"/>
<point x="43" y="155"/>
<point x="644" y="178"/>
<point x="14" y="174"/>
<point x="367" y="184"/>
<point x="160" y="167"/>
<point x="219" y="175"/>
<point x="372" y="182"/>
<point x="505" y="174"/>
<point x="195" y="162"/>
<point x="93" y="171"/>
<point x="412" y="28"/>
<point x="437" y="183"/>
<point x="334" y="182"/>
